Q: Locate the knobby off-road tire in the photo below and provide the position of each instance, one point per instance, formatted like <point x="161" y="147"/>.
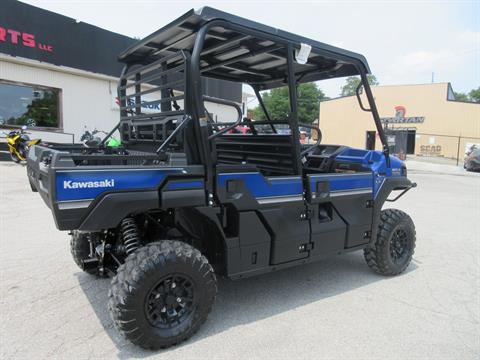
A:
<point x="162" y="294"/>
<point x="80" y="249"/>
<point x="14" y="157"/>
<point x="395" y="244"/>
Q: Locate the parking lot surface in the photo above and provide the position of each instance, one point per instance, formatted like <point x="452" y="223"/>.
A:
<point x="334" y="309"/>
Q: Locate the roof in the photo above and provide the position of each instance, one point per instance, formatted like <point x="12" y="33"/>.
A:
<point x="253" y="53"/>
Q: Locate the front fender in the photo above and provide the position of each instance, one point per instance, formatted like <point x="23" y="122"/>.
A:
<point x="389" y="184"/>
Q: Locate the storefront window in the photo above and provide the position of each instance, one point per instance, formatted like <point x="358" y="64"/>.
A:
<point x="28" y="105"/>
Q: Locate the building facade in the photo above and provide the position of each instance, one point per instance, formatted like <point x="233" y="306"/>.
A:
<point x="423" y="120"/>
<point x="59" y="76"/>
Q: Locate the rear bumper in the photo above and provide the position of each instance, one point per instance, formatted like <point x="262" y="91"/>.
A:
<point x="472" y="165"/>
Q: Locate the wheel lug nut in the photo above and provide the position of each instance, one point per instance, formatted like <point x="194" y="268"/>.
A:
<point x="179" y="299"/>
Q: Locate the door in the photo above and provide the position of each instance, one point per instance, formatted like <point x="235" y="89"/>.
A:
<point x="411" y="136"/>
<point x="370" y="141"/>
<point x="340" y="210"/>
<point x="397" y="141"/>
<point x="277" y="202"/>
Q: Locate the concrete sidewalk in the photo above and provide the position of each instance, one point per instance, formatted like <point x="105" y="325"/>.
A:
<point x="416" y="166"/>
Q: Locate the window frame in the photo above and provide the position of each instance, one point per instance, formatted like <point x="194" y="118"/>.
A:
<point x="59" y="127"/>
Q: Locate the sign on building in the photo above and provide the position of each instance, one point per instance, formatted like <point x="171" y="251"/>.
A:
<point x="400" y="118"/>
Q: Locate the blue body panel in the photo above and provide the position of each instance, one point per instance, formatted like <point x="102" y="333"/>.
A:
<point x="74" y="185"/>
<point x="261" y="186"/>
<point x="345" y="182"/>
<point x="88" y="184"/>
<point x="375" y="173"/>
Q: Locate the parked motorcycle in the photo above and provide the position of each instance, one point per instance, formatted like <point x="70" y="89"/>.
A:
<point x="18" y="143"/>
<point x="90" y="139"/>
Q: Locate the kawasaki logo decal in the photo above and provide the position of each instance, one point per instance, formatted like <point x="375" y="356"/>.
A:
<point x="68" y="184"/>
<point x="89" y="184"/>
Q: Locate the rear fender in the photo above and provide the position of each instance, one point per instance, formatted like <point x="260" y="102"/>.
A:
<point x="111" y="208"/>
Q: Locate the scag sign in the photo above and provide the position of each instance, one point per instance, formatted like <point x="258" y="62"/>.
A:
<point x="16" y="37"/>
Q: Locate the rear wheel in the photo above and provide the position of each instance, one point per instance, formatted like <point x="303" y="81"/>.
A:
<point x="80" y="249"/>
<point x="395" y="244"/>
<point x="162" y="294"/>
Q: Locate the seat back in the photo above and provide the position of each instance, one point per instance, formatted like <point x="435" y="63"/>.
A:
<point x="270" y="153"/>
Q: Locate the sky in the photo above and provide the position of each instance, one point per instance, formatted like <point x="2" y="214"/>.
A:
<point x="403" y="41"/>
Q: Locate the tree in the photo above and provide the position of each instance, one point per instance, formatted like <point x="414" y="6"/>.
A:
<point x="474" y="95"/>
<point x="352" y="82"/>
<point x="277" y="102"/>
<point x="460" y="96"/>
<point x="42" y="111"/>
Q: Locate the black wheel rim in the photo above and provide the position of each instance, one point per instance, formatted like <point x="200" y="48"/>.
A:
<point x="170" y="302"/>
<point x="399" y="247"/>
<point x="14" y="157"/>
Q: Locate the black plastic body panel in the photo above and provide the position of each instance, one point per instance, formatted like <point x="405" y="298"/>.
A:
<point x="253" y="250"/>
<point x="289" y="230"/>
<point x="112" y="208"/>
<point x="356" y="213"/>
<point x="329" y="231"/>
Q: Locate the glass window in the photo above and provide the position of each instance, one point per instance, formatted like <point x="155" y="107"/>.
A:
<point x="28" y="105"/>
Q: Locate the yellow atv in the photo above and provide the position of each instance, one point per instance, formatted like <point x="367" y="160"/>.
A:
<point x="18" y="144"/>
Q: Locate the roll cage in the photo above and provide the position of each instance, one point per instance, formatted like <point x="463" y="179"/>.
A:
<point x="214" y="44"/>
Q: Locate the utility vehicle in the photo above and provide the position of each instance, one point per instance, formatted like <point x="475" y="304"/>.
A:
<point x="184" y="199"/>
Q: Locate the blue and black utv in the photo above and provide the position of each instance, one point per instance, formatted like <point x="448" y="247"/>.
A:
<point x="185" y="198"/>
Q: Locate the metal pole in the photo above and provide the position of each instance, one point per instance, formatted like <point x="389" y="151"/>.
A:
<point x="458" y="149"/>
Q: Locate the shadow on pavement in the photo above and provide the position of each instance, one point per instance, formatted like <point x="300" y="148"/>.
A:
<point x="249" y="300"/>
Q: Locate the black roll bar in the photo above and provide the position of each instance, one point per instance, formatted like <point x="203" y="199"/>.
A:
<point x="293" y="118"/>
<point x="373" y="109"/>
<point x="229" y="103"/>
<point x="186" y="120"/>
<point x="319" y="137"/>
<point x="264" y="108"/>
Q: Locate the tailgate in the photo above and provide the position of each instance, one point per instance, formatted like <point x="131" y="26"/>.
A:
<point x="38" y="170"/>
<point x="42" y="176"/>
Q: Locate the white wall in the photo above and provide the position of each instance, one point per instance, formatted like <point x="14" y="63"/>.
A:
<point x="84" y="100"/>
<point x="87" y="99"/>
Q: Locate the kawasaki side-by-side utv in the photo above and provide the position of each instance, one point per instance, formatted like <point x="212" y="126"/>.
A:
<point x="184" y="198"/>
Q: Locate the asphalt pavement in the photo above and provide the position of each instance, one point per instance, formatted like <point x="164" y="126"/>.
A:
<point x="334" y="309"/>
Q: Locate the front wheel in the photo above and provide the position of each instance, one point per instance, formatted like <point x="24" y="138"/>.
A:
<point x="162" y="294"/>
<point x="393" y="249"/>
<point x="14" y="157"/>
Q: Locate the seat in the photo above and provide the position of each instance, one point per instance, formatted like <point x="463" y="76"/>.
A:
<point x="272" y="154"/>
